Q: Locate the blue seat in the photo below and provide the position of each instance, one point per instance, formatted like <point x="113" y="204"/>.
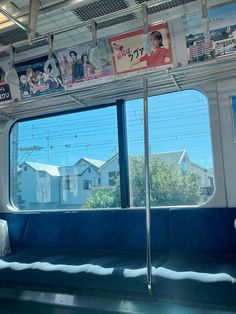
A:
<point x="193" y="253"/>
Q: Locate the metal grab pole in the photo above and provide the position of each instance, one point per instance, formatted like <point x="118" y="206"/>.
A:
<point x="147" y="185"/>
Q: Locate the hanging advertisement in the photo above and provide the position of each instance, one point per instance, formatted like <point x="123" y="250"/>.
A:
<point x="206" y="42"/>
<point x="39" y="77"/>
<point x="5" y="92"/>
<point x="135" y="51"/>
<point x="85" y="64"/>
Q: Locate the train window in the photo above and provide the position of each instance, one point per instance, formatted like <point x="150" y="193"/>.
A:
<point x="65" y="161"/>
<point x="72" y="160"/>
<point x="181" y="167"/>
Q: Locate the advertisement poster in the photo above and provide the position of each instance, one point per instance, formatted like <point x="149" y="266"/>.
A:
<point x="5" y="93"/>
<point x="39" y="77"/>
<point x="222" y="25"/>
<point x="84" y="64"/>
<point x="136" y="51"/>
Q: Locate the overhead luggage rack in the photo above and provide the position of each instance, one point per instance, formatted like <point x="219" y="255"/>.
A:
<point x="160" y="81"/>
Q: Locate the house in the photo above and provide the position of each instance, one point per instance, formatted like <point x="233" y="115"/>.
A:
<point x="43" y="186"/>
<point x="109" y="172"/>
<point x="77" y="182"/>
<point x="39" y="185"/>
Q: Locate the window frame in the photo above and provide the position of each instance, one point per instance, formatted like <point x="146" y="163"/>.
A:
<point x="67" y="183"/>
<point x="122" y="151"/>
<point x="87" y="185"/>
<point x="119" y="105"/>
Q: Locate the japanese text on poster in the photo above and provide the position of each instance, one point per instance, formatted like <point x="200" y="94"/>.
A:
<point x="137" y="51"/>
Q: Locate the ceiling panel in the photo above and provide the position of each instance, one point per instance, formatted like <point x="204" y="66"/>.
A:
<point x="11" y="36"/>
<point x="164" y="6"/>
<point x="99" y="8"/>
<point x="115" y="21"/>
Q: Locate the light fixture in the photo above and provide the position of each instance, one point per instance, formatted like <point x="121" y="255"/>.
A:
<point x="14" y="20"/>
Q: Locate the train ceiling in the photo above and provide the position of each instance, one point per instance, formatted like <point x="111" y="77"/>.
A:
<point x="22" y="20"/>
<point x="27" y="25"/>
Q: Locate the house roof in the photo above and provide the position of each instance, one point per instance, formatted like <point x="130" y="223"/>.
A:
<point x="50" y="169"/>
<point x="95" y="162"/>
<point x="171" y="158"/>
<point x="116" y="156"/>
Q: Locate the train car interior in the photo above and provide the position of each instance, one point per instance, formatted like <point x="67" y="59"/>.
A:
<point x="117" y="163"/>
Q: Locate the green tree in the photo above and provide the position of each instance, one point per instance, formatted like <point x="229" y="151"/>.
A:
<point x="169" y="186"/>
<point x="137" y="181"/>
<point x="103" y="198"/>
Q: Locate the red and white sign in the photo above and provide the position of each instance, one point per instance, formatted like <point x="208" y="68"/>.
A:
<point x="136" y="51"/>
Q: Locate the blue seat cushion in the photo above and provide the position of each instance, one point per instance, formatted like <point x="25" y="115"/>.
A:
<point x="113" y="270"/>
<point x="209" y="278"/>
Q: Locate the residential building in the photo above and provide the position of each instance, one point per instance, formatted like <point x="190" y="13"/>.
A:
<point x="49" y="186"/>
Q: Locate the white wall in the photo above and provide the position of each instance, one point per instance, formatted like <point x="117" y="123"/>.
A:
<point x="28" y="186"/>
<point x="219" y="197"/>
<point x="69" y="196"/>
<point x="226" y="89"/>
<point x="76" y="195"/>
<point x="92" y="176"/>
<point x="36" y="189"/>
<point x="111" y="166"/>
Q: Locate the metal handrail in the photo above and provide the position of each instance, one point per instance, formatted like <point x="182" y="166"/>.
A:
<point x="147" y="185"/>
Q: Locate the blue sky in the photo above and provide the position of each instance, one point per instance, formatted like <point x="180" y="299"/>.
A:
<point x="177" y="121"/>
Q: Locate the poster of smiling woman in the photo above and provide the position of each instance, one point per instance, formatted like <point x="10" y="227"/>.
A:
<point x="138" y="51"/>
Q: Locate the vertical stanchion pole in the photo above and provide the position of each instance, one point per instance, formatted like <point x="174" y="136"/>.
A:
<point x="205" y="21"/>
<point x="147" y="185"/>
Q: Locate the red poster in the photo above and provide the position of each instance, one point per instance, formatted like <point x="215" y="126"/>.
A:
<point x="137" y="51"/>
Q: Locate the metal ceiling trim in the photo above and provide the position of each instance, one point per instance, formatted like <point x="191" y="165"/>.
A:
<point x="6" y="116"/>
<point x="172" y="76"/>
<point x="132" y="9"/>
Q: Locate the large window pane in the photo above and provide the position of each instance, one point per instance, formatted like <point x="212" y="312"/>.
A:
<point x="66" y="161"/>
<point x="181" y="168"/>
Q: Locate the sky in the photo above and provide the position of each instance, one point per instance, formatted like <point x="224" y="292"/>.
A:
<point x="177" y="121"/>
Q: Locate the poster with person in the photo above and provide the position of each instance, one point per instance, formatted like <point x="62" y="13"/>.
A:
<point x="135" y="51"/>
<point x="222" y="33"/>
<point x="5" y="92"/>
<point x="39" y="77"/>
<point x="85" y="64"/>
